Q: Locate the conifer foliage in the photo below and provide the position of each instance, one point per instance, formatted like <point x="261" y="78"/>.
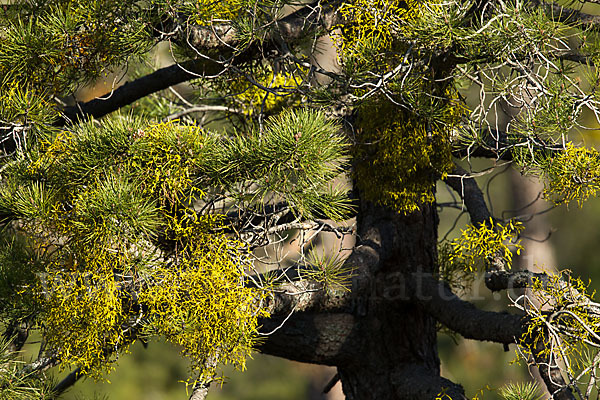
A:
<point x="146" y="213"/>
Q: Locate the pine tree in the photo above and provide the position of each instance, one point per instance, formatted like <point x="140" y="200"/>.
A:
<point x="143" y="213"/>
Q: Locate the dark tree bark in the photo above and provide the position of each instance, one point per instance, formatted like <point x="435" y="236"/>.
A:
<point x="396" y="340"/>
<point x="381" y="339"/>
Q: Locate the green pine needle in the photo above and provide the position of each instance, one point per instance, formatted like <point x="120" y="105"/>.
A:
<point x="520" y="391"/>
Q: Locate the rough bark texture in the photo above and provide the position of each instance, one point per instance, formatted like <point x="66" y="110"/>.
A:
<point x="462" y="316"/>
<point x="551" y="375"/>
<point x="319" y="338"/>
<point x="381" y="338"/>
<point x="395" y="342"/>
<point x="200" y="392"/>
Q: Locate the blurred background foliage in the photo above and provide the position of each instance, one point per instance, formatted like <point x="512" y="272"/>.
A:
<point x="157" y="372"/>
<point x="561" y="238"/>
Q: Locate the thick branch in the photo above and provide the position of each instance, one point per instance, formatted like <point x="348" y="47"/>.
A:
<point x="200" y="37"/>
<point x="550" y="374"/>
<point x="380" y="233"/>
<point x="472" y="323"/>
<point x="305" y="295"/>
<point x="469" y="191"/>
<point x="467" y="188"/>
<point x="67" y="382"/>
<point x="318" y="338"/>
<point x="462" y="316"/>
<point x="293" y="27"/>
<point x="137" y="89"/>
<point x="435" y="296"/>
<point x="200" y="391"/>
<point x="496" y="277"/>
<point x="503" y="280"/>
<point x="378" y="236"/>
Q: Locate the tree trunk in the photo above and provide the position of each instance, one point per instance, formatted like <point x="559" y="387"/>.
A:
<point x="378" y="336"/>
<point x="397" y="354"/>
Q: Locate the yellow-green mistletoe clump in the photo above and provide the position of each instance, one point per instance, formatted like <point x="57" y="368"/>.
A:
<point x="563" y="321"/>
<point x="155" y="148"/>
<point x="94" y="308"/>
<point x="83" y="317"/>
<point x="572" y="174"/>
<point x="122" y="247"/>
<point x="200" y="303"/>
<point x="372" y="25"/>
<point x="208" y="12"/>
<point x="477" y="244"/>
<point x="269" y="91"/>
<point x="378" y="35"/>
<point x="399" y="157"/>
<point x="122" y="251"/>
<point x="404" y="113"/>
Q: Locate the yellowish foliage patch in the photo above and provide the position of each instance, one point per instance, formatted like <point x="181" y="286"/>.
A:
<point x="399" y="158"/>
<point x="477" y="244"/>
<point x="572" y="175"/>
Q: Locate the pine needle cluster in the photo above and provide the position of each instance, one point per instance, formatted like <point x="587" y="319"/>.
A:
<point x="60" y="44"/>
<point x="520" y="391"/>
<point x="119" y="248"/>
<point x="130" y="227"/>
<point x="15" y="383"/>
